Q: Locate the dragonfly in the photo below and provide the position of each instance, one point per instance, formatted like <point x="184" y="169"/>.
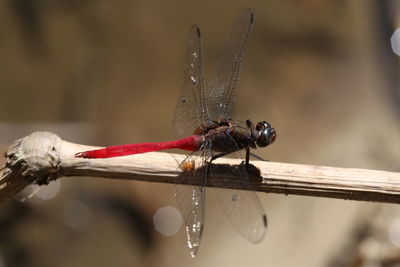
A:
<point x="203" y="126"/>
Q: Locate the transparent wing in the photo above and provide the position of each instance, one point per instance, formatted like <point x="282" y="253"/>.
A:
<point x="191" y="111"/>
<point x="191" y="198"/>
<point x="244" y="209"/>
<point x="223" y="83"/>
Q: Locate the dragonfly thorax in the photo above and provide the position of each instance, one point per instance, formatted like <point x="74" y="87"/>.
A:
<point x="226" y="135"/>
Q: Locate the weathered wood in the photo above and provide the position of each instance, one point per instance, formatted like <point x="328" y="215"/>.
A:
<point x="42" y="157"/>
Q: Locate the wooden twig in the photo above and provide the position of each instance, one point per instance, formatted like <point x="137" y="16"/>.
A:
<point x="42" y="157"/>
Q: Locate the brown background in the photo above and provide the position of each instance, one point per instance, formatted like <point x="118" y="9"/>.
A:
<point x="109" y="72"/>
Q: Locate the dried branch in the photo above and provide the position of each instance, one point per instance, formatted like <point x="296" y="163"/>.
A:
<point x="42" y="157"/>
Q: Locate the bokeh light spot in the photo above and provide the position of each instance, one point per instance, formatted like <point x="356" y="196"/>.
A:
<point x="167" y="220"/>
<point x="394" y="232"/>
<point x="395" y="41"/>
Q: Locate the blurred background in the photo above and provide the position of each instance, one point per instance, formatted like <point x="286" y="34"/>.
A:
<point x="100" y="72"/>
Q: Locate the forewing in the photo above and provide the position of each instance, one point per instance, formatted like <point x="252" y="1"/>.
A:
<point x="191" y="198"/>
<point x="243" y="208"/>
<point x="190" y="111"/>
<point x="223" y="83"/>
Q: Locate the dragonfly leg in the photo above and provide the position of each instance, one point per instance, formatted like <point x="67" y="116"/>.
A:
<point x="257" y="157"/>
<point x="247" y="157"/>
<point x="214" y="157"/>
<point x="248" y="153"/>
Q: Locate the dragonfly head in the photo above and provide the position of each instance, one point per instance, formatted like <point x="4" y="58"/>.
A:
<point x="266" y="134"/>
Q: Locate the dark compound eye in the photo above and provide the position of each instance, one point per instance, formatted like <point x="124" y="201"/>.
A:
<point x="263" y="125"/>
<point x="266" y="133"/>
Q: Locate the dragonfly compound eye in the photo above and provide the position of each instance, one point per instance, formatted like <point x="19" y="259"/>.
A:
<point x="267" y="134"/>
<point x="263" y="125"/>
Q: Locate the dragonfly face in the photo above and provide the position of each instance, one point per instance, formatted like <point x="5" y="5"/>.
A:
<point x="266" y="134"/>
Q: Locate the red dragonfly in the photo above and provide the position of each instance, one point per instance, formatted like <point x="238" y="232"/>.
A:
<point x="203" y="125"/>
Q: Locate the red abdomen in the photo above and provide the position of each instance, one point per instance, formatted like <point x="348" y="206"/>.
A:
<point x="190" y="143"/>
